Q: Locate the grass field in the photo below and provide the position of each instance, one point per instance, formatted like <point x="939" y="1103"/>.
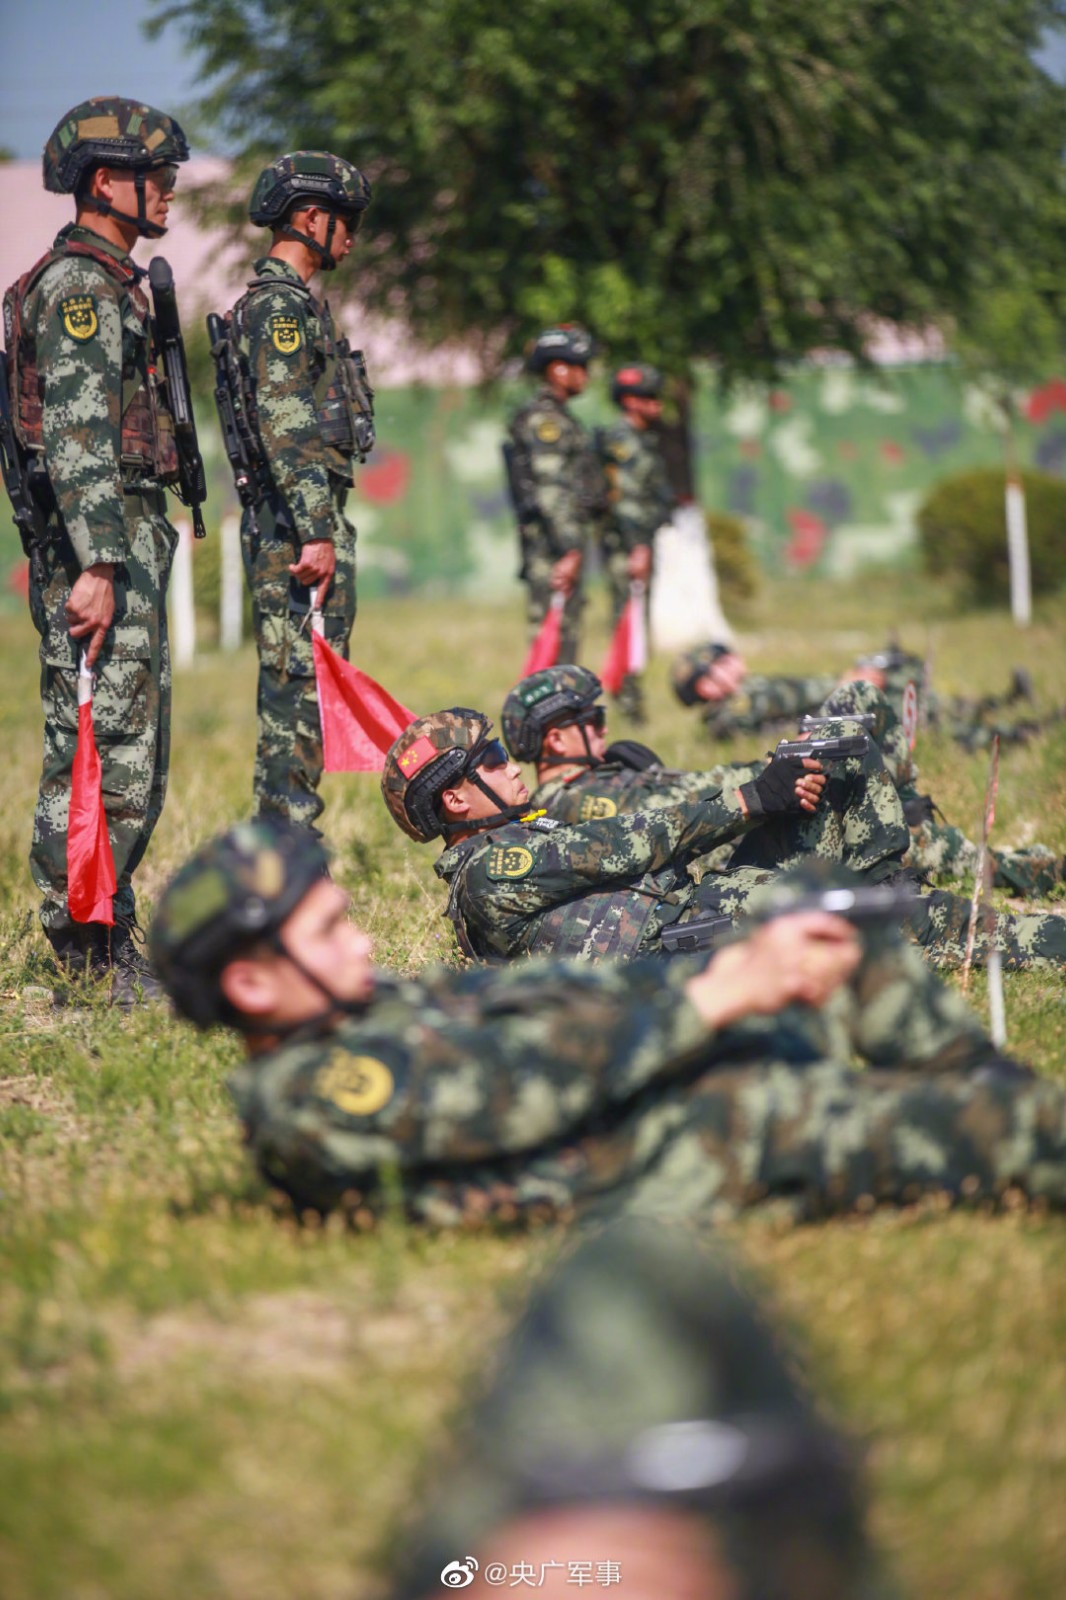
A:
<point x="199" y="1398"/>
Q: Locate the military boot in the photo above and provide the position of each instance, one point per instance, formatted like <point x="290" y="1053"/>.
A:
<point x="133" y="983"/>
<point x="82" y="951"/>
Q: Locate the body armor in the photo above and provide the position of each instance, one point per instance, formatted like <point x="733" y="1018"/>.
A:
<point x="344" y="400"/>
<point x="147" y="438"/>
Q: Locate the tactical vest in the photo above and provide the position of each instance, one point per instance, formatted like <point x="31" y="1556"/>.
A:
<point x="147" y="435"/>
<point x="344" y="400"/>
<point x="607" y="922"/>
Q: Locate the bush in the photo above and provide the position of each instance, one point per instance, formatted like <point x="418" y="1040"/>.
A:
<point x="962" y="529"/>
<point x="736" y="567"/>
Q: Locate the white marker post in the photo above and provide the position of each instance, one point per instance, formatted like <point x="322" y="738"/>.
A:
<point x="1021" y="592"/>
<point x="231" y="585"/>
<point x="182" y="602"/>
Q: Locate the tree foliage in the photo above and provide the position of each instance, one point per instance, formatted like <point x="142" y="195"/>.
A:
<point x="739" y="179"/>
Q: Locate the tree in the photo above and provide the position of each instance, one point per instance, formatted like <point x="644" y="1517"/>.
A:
<point x="739" y="180"/>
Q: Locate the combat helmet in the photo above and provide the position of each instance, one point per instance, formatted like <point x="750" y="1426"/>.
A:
<point x="636" y="379"/>
<point x="235" y="890"/>
<point x="552" y="698"/>
<point x="433" y="754"/>
<point x="689" y="668"/>
<point x="109" y="131"/>
<point x="310" y="177"/>
<point x="567" y="342"/>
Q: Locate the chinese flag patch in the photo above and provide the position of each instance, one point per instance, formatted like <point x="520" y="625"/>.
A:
<point x="417" y="756"/>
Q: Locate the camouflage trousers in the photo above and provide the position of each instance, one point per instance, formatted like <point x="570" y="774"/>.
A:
<point x="762" y="701"/>
<point x="131" y="703"/>
<point x="938" y="850"/>
<point x="288" y="759"/>
<point x="616" y="566"/>
<point x="537" y="578"/>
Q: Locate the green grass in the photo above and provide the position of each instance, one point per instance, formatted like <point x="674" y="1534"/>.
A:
<point x="198" y="1397"/>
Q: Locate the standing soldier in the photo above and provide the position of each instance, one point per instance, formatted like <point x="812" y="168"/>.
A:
<point x="639" y="498"/>
<point x="306" y="412"/>
<point x="95" y="445"/>
<point x="556" y="482"/>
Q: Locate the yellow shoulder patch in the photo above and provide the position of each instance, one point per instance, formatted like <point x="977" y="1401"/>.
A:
<point x="596" y="806"/>
<point x="359" y="1085"/>
<point x="285" y="332"/>
<point x="621" y="449"/>
<point x="79" y="316"/>
<point x="509" y="861"/>
<point x="549" y="429"/>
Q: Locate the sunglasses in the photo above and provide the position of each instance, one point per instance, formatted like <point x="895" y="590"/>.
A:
<point x="164" y="178"/>
<point x="490" y="755"/>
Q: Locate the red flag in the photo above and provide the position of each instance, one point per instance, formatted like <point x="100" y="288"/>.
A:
<point x="628" y="650"/>
<point x="90" y="864"/>
<point x="544" y="651"/>
<point x="360" y="720"/>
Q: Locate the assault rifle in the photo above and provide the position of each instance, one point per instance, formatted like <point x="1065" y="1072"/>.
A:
<point x="235" y="439"/>
<point x="865" y="905"/>
<point x="192" y="485"/>
<point x="17" y="480"/>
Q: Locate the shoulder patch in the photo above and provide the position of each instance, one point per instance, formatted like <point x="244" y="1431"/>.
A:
<point x="359" y="1085"/>
<point x="548" y="430"/>
<point x="596" y="806"/>
<point x="509" y="861"/>
<point x="79" y="317"/>
<point x="285" y="333"/>
<point x="621" y="449"/>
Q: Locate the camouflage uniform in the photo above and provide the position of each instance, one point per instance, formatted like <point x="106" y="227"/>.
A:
<point x="547" y="1089"/>
<point x="608" y="888"/>
<point x="760" y="702"/>
<point x="562" y="486"/>
<point x="938" y="850"/>
<point x="858" y="821"/>
<point x="643" y="1346"/>
<point x="640" y="500"/>
<point x="94" y="357"/>
<point x="288" y="341"/>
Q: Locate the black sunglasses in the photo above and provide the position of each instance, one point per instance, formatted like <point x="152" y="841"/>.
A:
<point x="491" y="754"/>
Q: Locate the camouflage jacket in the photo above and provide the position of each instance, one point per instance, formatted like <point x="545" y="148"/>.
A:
<point x="610" y="789"/>
<point x="286" y="339"/>
<point x="91" y="334"/>
<point x="475" y="1068"/>
<point x="606" y="888"/>
<point x="558" y="474"/>
<point x="501" y="1096"/>
<point x="639" y="496"/>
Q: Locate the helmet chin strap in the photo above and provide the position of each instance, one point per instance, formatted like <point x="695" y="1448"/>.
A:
<point x="147" y="230"/>
<point x="479" y="824"/>
<point x="334" y="1003"/>
<point x="587" y="760"/>
<point x="324" y="252"/>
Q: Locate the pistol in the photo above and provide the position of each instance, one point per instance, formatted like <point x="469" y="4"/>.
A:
<point x="828" y="749"/>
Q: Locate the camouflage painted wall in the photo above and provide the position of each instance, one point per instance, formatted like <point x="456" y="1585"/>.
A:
<point x="828" y="471"/>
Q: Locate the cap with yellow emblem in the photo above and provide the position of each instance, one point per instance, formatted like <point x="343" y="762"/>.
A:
<point x="237" y="889"/>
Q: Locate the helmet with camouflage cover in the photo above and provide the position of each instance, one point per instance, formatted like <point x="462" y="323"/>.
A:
<point x="430" y="755"/>
<point x="636" y="379"/>
<point x="567" y="342"/>
<point x="237" y="889"/>
<point x="544" y="700"/>
<point x="306" y="178"/>
<point x="109" y="131"/>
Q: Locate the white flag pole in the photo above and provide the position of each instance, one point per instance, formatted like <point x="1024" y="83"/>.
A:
<point x="231" y="585"/>
<point x="183" y="605"/>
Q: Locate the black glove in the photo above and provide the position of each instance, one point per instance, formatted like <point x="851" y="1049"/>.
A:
<point x="773" y="792"/>
<point x="631" y="753"/>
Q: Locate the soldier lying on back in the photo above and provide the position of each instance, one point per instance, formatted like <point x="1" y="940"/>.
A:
<point x="551" y="1088"/>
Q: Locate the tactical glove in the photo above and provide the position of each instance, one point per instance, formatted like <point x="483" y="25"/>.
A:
<point x="773" y="792"/>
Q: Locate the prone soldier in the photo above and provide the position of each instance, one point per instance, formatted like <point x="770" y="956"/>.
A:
<point x="639" y="497"/>
<point x="551" y="1089"/>
<point x="556" y="482"/>
<point x="93" y="411"/>
<point x="297" y="411"/>
<point x="553" y="718"/>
